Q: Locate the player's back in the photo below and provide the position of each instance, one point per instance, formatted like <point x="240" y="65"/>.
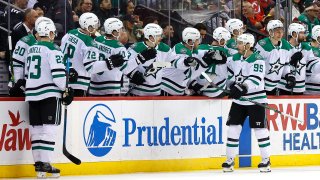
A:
<point x="82" y="54"/>
<point x="45" y="72"/>
<point x="108" y="82"/>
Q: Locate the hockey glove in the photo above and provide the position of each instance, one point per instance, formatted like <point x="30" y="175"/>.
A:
<point x="191" y="61"/>
<point x="67" y="96"/>
<point x="237" y="91"/>
<point x="114" y="61"/>
<point x="18" y="89"/>
<point x="291" y="81"/>
<point x="73" y="75"/>
<point x="214" y="57"/>
<point x="147" y="54"/>
<point x="295" y="58"/>
<point x="137" y="78"/>
<point x="195" y="87"/>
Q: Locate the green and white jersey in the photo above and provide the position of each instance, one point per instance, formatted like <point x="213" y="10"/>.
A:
<point x="231" y="46"/>
<point x="217" y="72"/>
<point x="300" y="70"/>
<point x="108" y="82"/>
<point x="277" y="61"/>
<point x="19" y="56"/>
<point x="46" y="74"/>
<point x="175" y="79"/>
<point x="249" y="71"/>
<point x="152" y="74"/>
<point x="313" y="73"/>
<point x="84" y="57"/>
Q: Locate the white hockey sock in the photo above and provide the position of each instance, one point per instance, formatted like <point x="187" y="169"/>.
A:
<point x="262" y="135"/>
<point x="233" y="140"/>
<point x="43" y="142"/>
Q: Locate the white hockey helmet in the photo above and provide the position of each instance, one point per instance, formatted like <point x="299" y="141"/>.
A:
<point x="112" y="24"/>
<point x="234" y="24"/>
<point x="190" y="33"/>
<point x="45" y="27"/>
<point x="89" y="19"/>
<point x="246" y="39"/>
<point x="153" y="30"/>
<point x="41" y="19"/>
<point x="296" y="27"/>
<point x="221" y="33"/>
<point x="316" y="32"/>
<point x="272" y="24"/>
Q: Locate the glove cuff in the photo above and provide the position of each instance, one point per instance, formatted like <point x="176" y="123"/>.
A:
<point x="131" y="74"/>
<point x="109" y="64"/>
<point x="141" y="58"/>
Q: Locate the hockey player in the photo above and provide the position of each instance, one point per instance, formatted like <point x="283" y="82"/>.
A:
<point x="313" y="65"/>
<point x="108" y="83"/>
<point x="215" y="56"/>
<point x="236" y="28"/>
<point x="19" y="58"/>
<point x="276" y="52"/>
<point x="149" y="53"/>
<point x="84" y="55"/>
<point x="247" y="70"/>
<point x="45" y="82"/>
<point x="184" y="56"/>
<point x="301" y="53"/>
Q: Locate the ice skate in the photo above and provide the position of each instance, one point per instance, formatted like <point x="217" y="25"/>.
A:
<point x="228" y="166"/>
<point x="43" y="169"/>
<point x="264" y="166"/>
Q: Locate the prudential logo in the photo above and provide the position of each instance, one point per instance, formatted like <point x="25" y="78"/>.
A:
<point x="98" y="134"/>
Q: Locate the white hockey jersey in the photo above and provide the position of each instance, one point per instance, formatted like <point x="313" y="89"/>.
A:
<point x="19" y="56"/>
<point x="152" y="74"/>
<point x="216" y="72"/>
<point x="84" y="57"/>
<point x="300" y="70"/>
<point x="46" y="75"/>
<point x="108" y="82"/>
<point x="175" y="79"/>
<point x="250" y="71"/>
<point x="277" y="61"/>
<point x="313" y="73"/>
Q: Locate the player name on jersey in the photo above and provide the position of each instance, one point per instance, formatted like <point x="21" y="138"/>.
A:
<point x="73" y="40"/>
<point x="35" y="50"/>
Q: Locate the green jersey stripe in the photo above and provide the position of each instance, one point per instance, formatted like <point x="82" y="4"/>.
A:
<point x="43" y="92"/>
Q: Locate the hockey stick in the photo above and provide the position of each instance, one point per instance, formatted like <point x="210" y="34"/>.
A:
<point x="10" y="48"/>
<point x="252" y="101"/>
<point x="71" y="157"/>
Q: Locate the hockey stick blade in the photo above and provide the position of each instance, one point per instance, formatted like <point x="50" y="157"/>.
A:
<point x="70" y="156"/>
<point x="252" y="101"/>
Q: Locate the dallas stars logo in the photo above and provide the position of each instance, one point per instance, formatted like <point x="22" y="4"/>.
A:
<point x="275" y="67"/>
<point x="299" y="67"/>
<point x="240" y="77"/>
<point x="152" y="71"/>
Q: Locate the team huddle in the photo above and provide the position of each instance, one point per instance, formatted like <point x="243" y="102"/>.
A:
<point x="86" y="66"/>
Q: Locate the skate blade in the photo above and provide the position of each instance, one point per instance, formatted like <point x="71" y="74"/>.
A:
<point x="265" y="170"/>
<point x="231" y="169"/>
<point x="54" y="175"/>
<point x="41" y="175"/>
